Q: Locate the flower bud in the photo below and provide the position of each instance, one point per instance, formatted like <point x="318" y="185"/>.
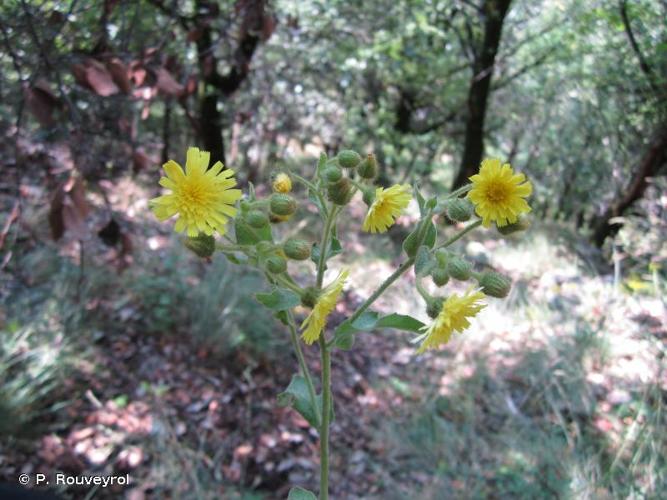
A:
<point x="348" y="158"/>
<point x="369" y="196"/>
<point x="297" y="249"/>
<point x="368" y="169"/>
<point x="332" y="173"/>
<point x="340" y="192"/>
<point x="282" y="183"/>
<point x="309" y="296"/>
<point x="282" y="204"/>
<point x="433" y="307"/>
<point x="276" y="264"/>
<point x="459" y="268"/>
<point x="495" y="284"/>
<point x="202" y="245"/>
<point x="520" y="225"/>
<point x="277" y="219"/>
<point x="440" y="276"/>
<point x="257" y="219"/>
<point x="442" y="256"/>
<point x="459" y="210"/>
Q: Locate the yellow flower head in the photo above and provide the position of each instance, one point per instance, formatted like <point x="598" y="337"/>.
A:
<point x="202" y="199"/>
<point x="313" y="325"/>
<point x="282" y="183"/>
<point x="498" y="193"/>
<point x="453" y="317"/>
<point x="387" y="205"/>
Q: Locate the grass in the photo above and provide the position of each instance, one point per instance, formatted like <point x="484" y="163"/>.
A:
<point x="537" y="417"/>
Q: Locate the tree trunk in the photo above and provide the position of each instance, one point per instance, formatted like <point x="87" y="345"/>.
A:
<point x="494" y="12"/>
<point x="653" y="159"/>
<point x="255" y="25"/>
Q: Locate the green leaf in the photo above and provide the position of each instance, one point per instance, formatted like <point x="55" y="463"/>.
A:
<point x="371" y="320"/>
<point x="420" y="200"/>
<point x="322" y="162"/>
<point x="431" y="235"/>
<point x="334" y="249"/>
<point x="424" y="261"/>
<point x="400" y="322"/>
<point x="296" y="395"/>
<point x="279" y="299"/>
<point x="282" y="317"/>
<point x="344" y="341"/>
<point x="299" y="493"/>
<point x="248" y="235"/>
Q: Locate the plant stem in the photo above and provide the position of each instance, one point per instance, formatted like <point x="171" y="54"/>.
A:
<point x="460" y="235"/>
<point x="380" y="290"/>
<point x="324" y="244"/>
<point x="303" y="366"/>
<point x="283" y="281"/>
<point x="326" y="418"/>
<point x="459" y="191"/>
<point x="314" y="189"/>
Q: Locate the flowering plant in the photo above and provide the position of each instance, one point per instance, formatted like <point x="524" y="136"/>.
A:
<point x="206" y="203"/>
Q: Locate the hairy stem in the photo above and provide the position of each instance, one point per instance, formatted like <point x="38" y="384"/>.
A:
<point x="460" y="235"/>
<point x="302" y="365"/>
<point x="381" y="289"/>
<point x="326" y="418"/>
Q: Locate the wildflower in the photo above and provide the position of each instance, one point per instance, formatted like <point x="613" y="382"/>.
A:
<point x="313" y="325"/>
<point x="203" y="199"/>
<point x="498" y="193"/>
<point x="282" y="183"/>
<point x="387" y="205"/>
<point x="453" y="316"/>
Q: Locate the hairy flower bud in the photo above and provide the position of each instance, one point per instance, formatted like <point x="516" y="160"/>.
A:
<point x="520" y="225"/>
<point x="277" y="219"/>
<point x="459" y="210"/>
<point x="348" y="158"/>
<point x="440" y="276"/>
<point x="332" y="173"/>
<point x="276" y="264"/>
<point x="340" y="192"/>
<point x="297" y="249"/>
<point x="442" y="256"/>
<point x="369" y="196"/>
<point x="495" y="284"/>
<point x="459" y="268"/>
<point x="282" y="204"/>
<point x="257" y="219"/>
<point x="202" y="245"/>
<point x="309" y="296"/>
<point x="433" y="307"/>
<point x="368" y="168"/>
<point x="282" y="183"/>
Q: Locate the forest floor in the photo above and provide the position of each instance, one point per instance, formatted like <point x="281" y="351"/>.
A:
<point x="559" y="390"/>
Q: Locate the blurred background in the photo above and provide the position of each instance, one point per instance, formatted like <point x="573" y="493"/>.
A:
<point x="121" y="352"/>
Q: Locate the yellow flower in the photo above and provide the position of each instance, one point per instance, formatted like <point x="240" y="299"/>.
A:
<point x="282" y="183"/>
<point x="453" y="317"/>
<point x="498" y="193"/>
<point x="313" y="325"/>
<point x="203" y="199"/>
<point x="387" y="205"/>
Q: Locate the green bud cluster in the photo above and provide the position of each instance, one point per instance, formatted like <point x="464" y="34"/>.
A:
<point x="282" y="204"/>
<point x="495" y="284"/>
<point x="368" y="168"/>
<point x="348" y="158"/>
<point x="202" y="245"/>
<point x="296" y="249"/>
<point x="459" y="269"/>
<point x="459" y="210"/>
<point x="340" y="192"/>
